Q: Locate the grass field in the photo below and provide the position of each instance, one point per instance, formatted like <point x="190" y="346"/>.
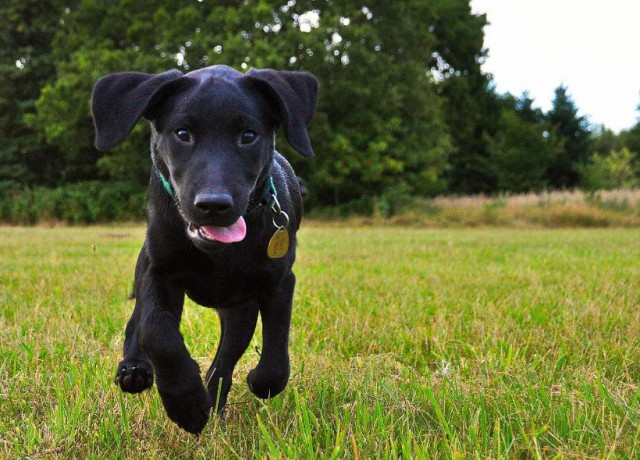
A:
<point x="412" y="343"/>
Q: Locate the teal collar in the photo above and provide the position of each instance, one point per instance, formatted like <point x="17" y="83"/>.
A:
<point x="165" y="183"/>
<point x="268" y="196"/>
<point x="269" y="191"/>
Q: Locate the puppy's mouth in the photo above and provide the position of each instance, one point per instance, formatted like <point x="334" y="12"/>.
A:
<point x="234" y="233"/>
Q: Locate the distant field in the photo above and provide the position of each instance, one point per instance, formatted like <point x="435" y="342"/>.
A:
<point x="554" y="209"/>
<point x="412" y="343"/>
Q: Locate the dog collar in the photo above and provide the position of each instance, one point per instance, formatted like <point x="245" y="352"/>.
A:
<point x="269" y="196"/>
<point x="165" y="183"/>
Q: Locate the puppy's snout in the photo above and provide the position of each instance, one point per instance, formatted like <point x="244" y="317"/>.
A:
<point x="213" y="203"/>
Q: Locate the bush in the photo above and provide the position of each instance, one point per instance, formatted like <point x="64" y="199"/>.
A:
<point x="612" y="171"/>
<point x="393" y="202"/>
<point x="79" y="203"/>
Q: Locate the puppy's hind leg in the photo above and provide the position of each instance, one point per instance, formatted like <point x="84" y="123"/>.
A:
<point x="237" y="326"/>
<point x="271" y="374"/>
<point x="135" y="373"/>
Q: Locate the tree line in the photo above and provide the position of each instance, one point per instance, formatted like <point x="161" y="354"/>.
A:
<point x="404" y="109"/>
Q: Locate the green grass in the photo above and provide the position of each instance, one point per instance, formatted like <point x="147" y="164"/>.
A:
<point x="411" y="343"/>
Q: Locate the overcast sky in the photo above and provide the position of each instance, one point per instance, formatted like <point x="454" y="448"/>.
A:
<point x="591" y="46"/>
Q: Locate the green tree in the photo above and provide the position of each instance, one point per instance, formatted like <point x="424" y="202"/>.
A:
<point x="26" y="64"/>
<point x="605" y="140"/>
<point x="471" y="106"/>
<point x="97" y="38"/>
<point x="630" y="138"/>
<point x="379" y="124"/>
<point x="523" y="148"/>
<point x="574" y="130"/>
<point x="379" y="112"/>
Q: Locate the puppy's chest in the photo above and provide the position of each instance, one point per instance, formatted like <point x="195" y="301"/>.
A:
<point x="223" y="289"/>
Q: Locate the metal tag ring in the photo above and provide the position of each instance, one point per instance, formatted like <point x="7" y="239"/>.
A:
<point x="286" y="218"/>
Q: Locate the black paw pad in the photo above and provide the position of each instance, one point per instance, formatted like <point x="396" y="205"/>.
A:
<point x="134" y="377"/>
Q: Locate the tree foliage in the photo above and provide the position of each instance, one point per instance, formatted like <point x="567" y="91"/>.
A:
<point x="574" y="130"/>
<point x="379" y="123"/>
<point x="472" y="109"/>
<point x="26" y="64"/>
<point x="611" y="171"/>
<point x="404" y="107"/>
<point x="523" y="150"/>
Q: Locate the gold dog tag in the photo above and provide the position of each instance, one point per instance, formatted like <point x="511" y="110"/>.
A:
<point x="278" y="244"/>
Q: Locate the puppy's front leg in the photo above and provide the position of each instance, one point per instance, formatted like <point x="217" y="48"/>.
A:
<point x="177" y="375"/>
<point x="271" y="374"/>
<point x="135" y="373"/>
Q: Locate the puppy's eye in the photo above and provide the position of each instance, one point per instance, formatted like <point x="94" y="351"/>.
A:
<point x="183" y="135"/>
<point x="248" y="137"/>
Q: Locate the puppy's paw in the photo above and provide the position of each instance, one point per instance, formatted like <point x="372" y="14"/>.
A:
<point x="267" y="384"/>
<point x="189" y="408"/>
<point x="134" y="376"/>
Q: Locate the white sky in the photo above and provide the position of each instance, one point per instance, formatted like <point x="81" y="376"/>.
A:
<point x="591" y="46"/>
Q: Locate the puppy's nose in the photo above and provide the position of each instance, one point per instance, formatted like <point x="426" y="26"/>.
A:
<point x="213" y="203"/>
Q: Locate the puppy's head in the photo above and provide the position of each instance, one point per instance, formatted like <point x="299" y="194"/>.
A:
<point x="213" y="134"/>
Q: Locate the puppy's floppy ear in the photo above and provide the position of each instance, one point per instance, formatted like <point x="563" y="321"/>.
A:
<point x="120" y="99"/>
<point x="296" y="94"/>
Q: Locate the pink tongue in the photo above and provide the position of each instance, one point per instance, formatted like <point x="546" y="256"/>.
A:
<point x="231" y="234"/>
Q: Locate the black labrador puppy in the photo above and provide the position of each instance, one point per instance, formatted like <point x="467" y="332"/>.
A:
<point x="223" y="210"/>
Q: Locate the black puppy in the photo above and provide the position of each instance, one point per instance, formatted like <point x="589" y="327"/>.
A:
<point x="223" y="210"/>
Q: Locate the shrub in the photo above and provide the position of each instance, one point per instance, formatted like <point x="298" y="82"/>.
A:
<point x="612" y="171"/>
<point x="78" y="203"/>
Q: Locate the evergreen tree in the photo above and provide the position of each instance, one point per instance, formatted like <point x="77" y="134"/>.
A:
<point x="605" y="140"/>
<point x="574" y="131"/>
<point x="630" y="138"/>
<point x="523" y="147"/>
